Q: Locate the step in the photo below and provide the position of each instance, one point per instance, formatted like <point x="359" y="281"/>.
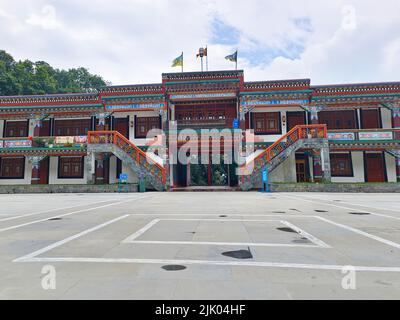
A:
<point x="205" y="189"/>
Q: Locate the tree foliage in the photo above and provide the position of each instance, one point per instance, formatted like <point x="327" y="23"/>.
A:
<point x="27" y="77"/>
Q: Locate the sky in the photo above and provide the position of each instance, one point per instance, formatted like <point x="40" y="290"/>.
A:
<point x="134" y="41"/>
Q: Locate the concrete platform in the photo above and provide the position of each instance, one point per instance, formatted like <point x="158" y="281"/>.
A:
<point x="195" y="245"/>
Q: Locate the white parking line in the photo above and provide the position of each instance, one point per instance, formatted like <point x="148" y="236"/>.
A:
<point x="70" y="213"/>
<point x="365" y="234"/>
<point x="69" y="239"/>
<point x="213" y="263"/>
<point x="310" y="237"/>
<point x="141" y="231"/>
<point x="51" y="210"/>
<point x="341" y="207"/>
<point x="211" y="243"/>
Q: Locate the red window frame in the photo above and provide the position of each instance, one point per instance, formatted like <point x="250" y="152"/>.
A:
<point x="16" y="129"/>
<point x="144" y="124"/>
<point x="12" y="168"/>
<point x="70" y="167"/>
<point x="267" y="123"/>
<point x="66" y="128"/>
<point x="337" y="120"/>
<point x="341" y="165"/>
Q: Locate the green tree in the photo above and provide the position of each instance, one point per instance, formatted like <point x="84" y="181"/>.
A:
<point x="27" y="77"/>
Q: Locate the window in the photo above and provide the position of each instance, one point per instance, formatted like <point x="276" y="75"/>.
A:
<point x="70" y="167"/>
<point x="71" y="127"/>
<point x="345" y="119"/>
<point x="144" y="124"/>
<point x="267" y="122"/>
<point x="16" y="129"/>
<point x="341" y="165"/>
<point x="12" y="168"/>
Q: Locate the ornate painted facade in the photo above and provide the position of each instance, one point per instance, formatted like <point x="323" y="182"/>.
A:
<point x="296" y="132"/>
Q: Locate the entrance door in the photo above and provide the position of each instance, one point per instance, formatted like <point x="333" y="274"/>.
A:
<point x="374" y="167"/>
<point x="302" y="173"/>
<point x="44" y="171"/>
<point x="102" y="174"/>
<point x="295" y="119"/>
<point x="122" y="126"/>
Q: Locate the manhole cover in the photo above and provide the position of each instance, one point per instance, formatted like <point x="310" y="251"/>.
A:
<point x="239" y="254"/>
<point x="223" y="216"/>
<point x="360" y="213"/>
<point x="174" y="267"/>
<point x="55" y="219"/>
<point x="286" y="229"/>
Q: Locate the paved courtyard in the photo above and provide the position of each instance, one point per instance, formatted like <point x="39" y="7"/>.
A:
<point x="195" y="245"/>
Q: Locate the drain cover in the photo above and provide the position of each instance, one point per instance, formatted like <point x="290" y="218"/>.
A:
<point x="239" y="254"/>
<point x="278" y="212"/>
<point x="55" y="219"/>
<point x="223" y="216"/>
<point x="286" y="229"/>
<point x="320" y="211"/>
<point x="360" y="213"/>
<point x="173" y="267"/>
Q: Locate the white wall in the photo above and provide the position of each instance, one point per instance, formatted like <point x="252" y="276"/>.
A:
<point x="53" y="174"/>
<point x="358" y="169"/>
<point x="386" y="115"/>
<point x="113" y="169"/>
<point x="286" y="171"/>
<point x="1" y="128"/>
<point x="25" y="180"/>
<point x="390" y="167"/>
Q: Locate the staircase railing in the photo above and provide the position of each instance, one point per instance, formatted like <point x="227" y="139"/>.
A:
<point x="314" y="131"/>
<point x="136" y="154"/>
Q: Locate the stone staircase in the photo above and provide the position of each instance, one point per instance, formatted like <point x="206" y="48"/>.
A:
<point x="300" y="137"/>
<point x="146" y="167"/>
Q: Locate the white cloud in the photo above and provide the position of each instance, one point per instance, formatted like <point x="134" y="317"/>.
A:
<point x="47" y="19"/>
<point x="134" y="41"/>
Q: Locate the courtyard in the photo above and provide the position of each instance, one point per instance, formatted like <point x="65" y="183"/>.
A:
<point x="200" y="245"/>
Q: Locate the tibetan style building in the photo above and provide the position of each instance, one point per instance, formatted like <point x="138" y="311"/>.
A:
<point x="287" y="130"/>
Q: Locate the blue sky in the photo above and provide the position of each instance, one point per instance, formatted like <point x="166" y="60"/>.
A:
<point x="134" y="41"/>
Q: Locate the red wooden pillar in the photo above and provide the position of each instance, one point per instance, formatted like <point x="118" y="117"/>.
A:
<point x="35" y="177"/>
<point x="316" y="154"/>
<point x="37" y="126"/>
<point x="317" y="165"/>
<point x="99" y="171"/>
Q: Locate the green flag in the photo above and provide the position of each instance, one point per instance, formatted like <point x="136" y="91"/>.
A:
<point x="178" y="61"/>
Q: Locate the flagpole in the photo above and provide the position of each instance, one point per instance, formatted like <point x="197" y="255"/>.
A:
<point x="236" y="58"/>
<point x="207" y="58"/>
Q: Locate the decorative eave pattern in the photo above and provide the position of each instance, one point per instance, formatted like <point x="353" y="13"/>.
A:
<point x="356" y="98"/>
<point x="290" y="85"/>
<point x="52" y="99"/>
<point x="20" y="152"/>
<point x="364" y="145"/>
<point x="140" y="89"/>
<point x="198" y="76"/>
